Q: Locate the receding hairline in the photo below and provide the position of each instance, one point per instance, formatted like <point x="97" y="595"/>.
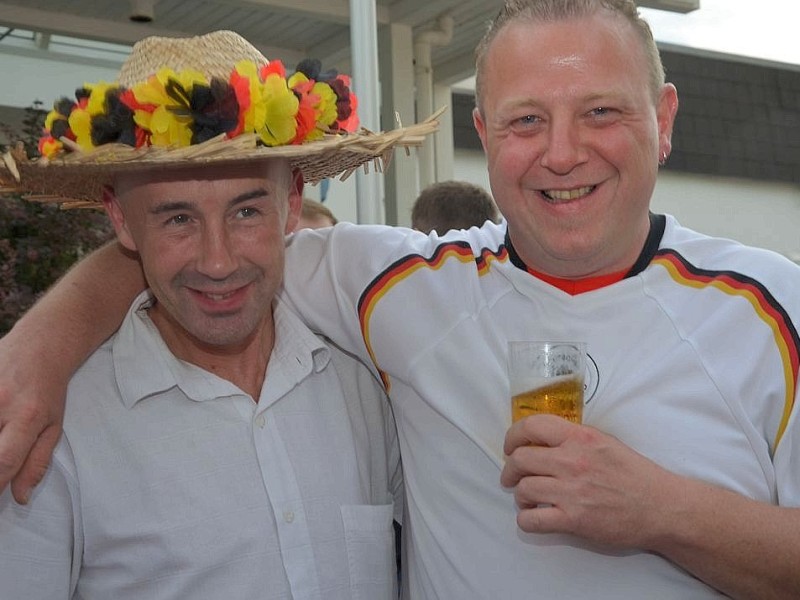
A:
<point x="277" y="170"/>
<point x="522" y="12"/>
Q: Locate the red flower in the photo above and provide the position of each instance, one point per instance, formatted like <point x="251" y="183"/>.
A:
<point x="276" y="67"/>
<point x="306" y="118"/>
<point x="241" y="87"/>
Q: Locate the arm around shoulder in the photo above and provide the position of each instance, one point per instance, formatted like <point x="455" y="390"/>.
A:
<point x="45" y="347"/>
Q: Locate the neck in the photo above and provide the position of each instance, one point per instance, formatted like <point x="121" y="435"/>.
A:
<point x="243" y="363"/>
<point x="526" y="253"/>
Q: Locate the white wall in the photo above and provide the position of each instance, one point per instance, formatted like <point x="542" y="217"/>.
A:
<point x="340" y="199"/>
<point x="756" y="213"/>
<point x="26" y="79"/>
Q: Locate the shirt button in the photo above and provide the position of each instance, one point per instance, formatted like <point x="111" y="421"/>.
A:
<point x="261" y="421"/>
<point x="288" y="516"/>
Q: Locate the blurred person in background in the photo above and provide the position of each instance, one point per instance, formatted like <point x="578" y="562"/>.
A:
<point x="447" y="205"/>
<point x="315" y="215"/>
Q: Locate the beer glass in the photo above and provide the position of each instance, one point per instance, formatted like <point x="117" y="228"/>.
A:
<point x="547" y="377"/>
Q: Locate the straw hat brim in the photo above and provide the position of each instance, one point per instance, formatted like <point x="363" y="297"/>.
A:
<point x="77" y="179"/>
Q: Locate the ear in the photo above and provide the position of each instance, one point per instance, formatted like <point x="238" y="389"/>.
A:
<point x="295" y="200"/>
<point x="480" y="126"/>
<point x="665" y="112"/>
<point x="117" y="218"/>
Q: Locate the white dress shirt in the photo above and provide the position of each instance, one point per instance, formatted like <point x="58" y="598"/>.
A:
<point x="170" y="482"/>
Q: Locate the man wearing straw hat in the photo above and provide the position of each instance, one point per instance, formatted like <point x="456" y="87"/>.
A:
<point x="682" y="481"/>
<point x="214" y="447"/>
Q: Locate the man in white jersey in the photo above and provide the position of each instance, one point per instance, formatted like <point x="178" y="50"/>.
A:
<point x="682" y="482"/>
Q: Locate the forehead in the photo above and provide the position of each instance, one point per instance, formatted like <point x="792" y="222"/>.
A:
<point x="580" y="46"/>
<point x="273" y="173"/>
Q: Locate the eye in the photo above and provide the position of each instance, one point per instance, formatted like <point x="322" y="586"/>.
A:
<point x="247" y="212"/>
<point x="527" y="120"/>
<point x="179" y="219"/>
<point x="603" y="113"/>
<point x="525" y="124"/>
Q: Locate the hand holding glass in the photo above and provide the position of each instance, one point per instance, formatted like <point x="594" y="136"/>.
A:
<point x="546" y="377"/>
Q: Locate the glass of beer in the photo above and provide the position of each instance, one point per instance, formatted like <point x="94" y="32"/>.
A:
<point x="547" y="377"/>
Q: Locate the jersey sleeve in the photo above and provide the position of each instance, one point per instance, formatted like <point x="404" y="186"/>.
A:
<point x="327" y="272"/>
<point x="339" y="279"/>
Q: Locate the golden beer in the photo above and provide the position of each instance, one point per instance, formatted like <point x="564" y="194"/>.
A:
<point x="563" y="398"/>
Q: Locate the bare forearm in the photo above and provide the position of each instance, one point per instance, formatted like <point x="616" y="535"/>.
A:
<point x="744" y="548"/>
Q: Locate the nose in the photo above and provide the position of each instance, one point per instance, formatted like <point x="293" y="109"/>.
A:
<point x="216" y="257"/>
<point x="564" y="149"/>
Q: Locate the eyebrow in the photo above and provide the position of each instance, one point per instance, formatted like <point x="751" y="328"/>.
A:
<point x="178" y="205"/>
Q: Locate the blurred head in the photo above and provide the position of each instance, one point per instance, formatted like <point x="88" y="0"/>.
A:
<point x="448" y="205"/>
<point x="573" y="130"/>
<point x="315" y="215"/>
<point x="211" y="242"/>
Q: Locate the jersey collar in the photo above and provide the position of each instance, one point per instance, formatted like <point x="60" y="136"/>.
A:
<point x="587" y="284"/>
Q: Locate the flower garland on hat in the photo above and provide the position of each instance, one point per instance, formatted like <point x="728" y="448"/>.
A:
<point x="182" y="109"/>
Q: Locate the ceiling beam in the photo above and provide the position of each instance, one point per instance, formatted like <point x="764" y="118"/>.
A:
<point x="331" y="51"/>
<point x="454" y="70"/>
<point x="679" y="6"/>
<point x="41" y="21"/>
<point x="333" y="11"/>
<point x="416" y="12"/>
<point x="81" y="27"/>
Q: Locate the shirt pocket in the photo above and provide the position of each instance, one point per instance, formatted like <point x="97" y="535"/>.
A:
<point x="369" y="538"/>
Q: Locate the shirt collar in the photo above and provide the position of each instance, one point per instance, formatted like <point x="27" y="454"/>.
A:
<point x="651" y="245"/>
<point x="145" y="367"/>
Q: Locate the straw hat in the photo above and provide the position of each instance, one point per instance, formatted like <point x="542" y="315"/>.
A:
<point x="208" y="99"/>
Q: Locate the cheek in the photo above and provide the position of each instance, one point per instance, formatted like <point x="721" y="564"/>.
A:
<point x="164" y="256"/>
<point x="160" y="267"/>
<point x="512" y="156"/>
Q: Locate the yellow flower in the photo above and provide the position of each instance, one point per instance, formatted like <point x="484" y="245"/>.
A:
<point x="280" y="107"/>
<point x="51" y="118"/>
<point x="251" y="104"/>
<point x="297" y="78"/>
<point x="97" y="96"/>
<point x="168" y="128"/>
<point x="80" y="119"/>
<point x="80" y="122"/>
<point x="323" y="99"/>
<point x="327" y="103"/>
<point x="166" y="118"/>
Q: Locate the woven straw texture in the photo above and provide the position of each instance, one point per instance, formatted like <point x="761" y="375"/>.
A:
<point x="77" y="178"/>
<point x="213" y="54"/>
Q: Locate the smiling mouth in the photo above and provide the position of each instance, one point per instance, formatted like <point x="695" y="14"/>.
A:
<point x="567" y="195"/>
<point x="216" y="297"/>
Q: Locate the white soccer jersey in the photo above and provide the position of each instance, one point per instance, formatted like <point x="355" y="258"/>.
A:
<point x="694" y="364"/>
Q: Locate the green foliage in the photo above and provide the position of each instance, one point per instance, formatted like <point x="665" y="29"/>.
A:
<point x="39" y="242"/>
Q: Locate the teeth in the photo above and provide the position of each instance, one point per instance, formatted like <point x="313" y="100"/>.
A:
<point x="217" y="297"/>
<point x="568" y="194"/>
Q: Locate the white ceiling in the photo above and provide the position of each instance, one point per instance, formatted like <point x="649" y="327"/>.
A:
<point x="286" y="29"/>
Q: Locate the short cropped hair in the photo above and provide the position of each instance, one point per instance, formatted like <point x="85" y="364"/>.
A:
<point x="452" y="205"/>
<point x="548" y="11"/>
